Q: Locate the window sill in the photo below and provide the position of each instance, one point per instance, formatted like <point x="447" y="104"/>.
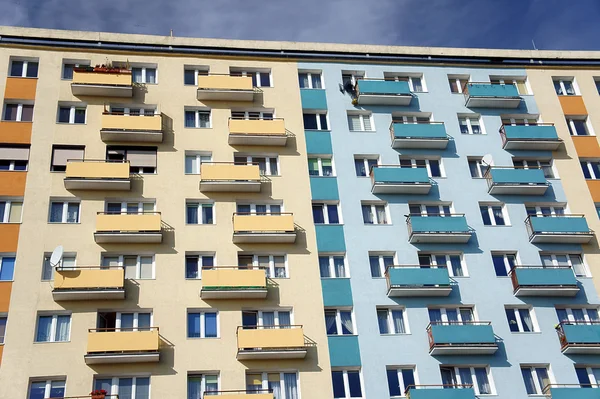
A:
<point x="394" y="335"/>
<point x="7" y="170"/>
<point x="194" y="127"/>
<point x="23" y="77"/>
<point x="198" y="338"/>
<point x="363" y="131"/>
<point x="342" y="335"/>
<point x="200" y="224"/>
<point x="525" y="333"/>
<point x="327" y="177"/>
<point x="335" y="278"/>
<point x="329" y="224"/>
<point x="11" y="223"/>
<point x="49" y="342"/>
<point x="8" y="120"/>
<point x="492" y="225"/>
<point x="318" y="130"/>
<point x="70" y="124"/>
<point x="383" y="224"/>
<point x="63" y="223"/>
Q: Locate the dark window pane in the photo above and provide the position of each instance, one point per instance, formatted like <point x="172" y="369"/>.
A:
<point x="584" y="168"/>
<point x="375" y="268"/>
<point x="332" y="213"/>
<point x="359" y="166"/>
<point x="485" y="215"/>
<point x="499" y="266"/>
<point x="80" y="115"/>
<point x="191" y="267"/>
<point x="337" y="378"/>
<point x="27" y="114"/>
<point x="512" y="320"/>
<point x="318" y="216"/>
<point x="189" y="77"/>
<point x="265" y="79"/>
<point x="207" y="214"/>
<point x="190" y="119"/>
<point x="210" y="325"/>
<point x="409" y="377"/>
<point x="310" y="121"/>
<point x="16" y="68"/>
<point x="434" y="166"/>
<point x="193" y="325"/>
<point x="393" y="383"/>
<point x="323" y="119"/>
<point x="32" y="69"/>
<point x="68" y="71"/>
<point x="354" y="383"/>
<point x="10" y="112"/>
<point x="64" y="114"/>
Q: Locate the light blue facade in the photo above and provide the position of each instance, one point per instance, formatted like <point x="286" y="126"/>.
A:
<point x="488" y="293"/>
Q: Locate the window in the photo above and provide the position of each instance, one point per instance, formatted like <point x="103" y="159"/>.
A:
<point x="200" y="385"/>
<point x="260" y="209"/>
<point x="479" y="377"/>
<point x="536" y="378"/>
<point x="399" y="379"/>
<point x="18" y="112"/>
<point x="144" y="74"/>
<point x="142" y="160"/>
<point x="282" y="385"/>
<point x="375" y="213"/>
<point x="520" y="83"/>
<point x="579" y="315"/>
<point x="351" y="77"/>
<point x="589" y="377"/>
<point x="252" y="115"/>
<point x="14" y="157"/>
<point x="202" y="324"/>
<point x="191" y="73"/>
<point x="346" y="384"/>
<point x="320" y="166"/>
<point x="360" y="123"/>
<point x="24" y="68"/>
<point x="545" y="165"/>
<point x="194" y="160"/>
<point x="415" y="82"/>
<point x="130" y="208"/>
<point x="260" y="78"/>
<point x="543" y="210"/>
<point x="521" y="319"/>
<point x="197" y="118"/>
<point x="339" y="322"/>
<point x="504" y="262"/>
<point x="53" y="328"/>
<point x="457" y="83"/>
<point x="565" y="86"/>
<point x="137" y="267"/>
<point x="68" y="261"/>
<point x="71" y="114"/>
<point x="470" y="124"/>
<point x="453" y="315"/>
<point x="194" y="264"/>
<point x="3" y="320"/>
<point x="46" y="389"/>
<point x="315" y="121"/>
<point x="143" y="110"/>
<point x="379" y="264"/>
<point x="392" y="321"/>
<point x="433" y="166"/>
<point x="10" y="210"/>
<point x="274" y="265"/>
<point x="477" y="167"/>
<point x="410" y="118"/>
<point x="363" y="165"/>
<point x="333" y="266"/>
<point x="591" y="169"/>
<point x="574" y="261"/>
<point x="199" y="213"/>
<point x="62" y="154"/>
<point x="69" y="66"/>
<point x="268" y="165"/>
<point x="310" y="80"/>
<point x="494" y="215"/>
<point x="325" y="213"/>
<point x="579" y="126"/>
<point x="7" y="267"/>
<point x="454" y="262"/>
<point x="272" y="318"/>
<point x="64" y="212"/>
<point x="519" y="120"/>
<point x="433" y="209"/>
<point x="124" y="321"/>
<point x="125" y="387"/>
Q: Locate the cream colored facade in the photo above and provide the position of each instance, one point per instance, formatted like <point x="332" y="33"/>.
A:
<point x="169" y="295"/>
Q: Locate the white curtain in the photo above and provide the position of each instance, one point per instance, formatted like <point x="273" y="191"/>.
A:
<point x="291" y="389"/>
<point x="62" y="328"/>
<point x="346" y="318"/>
<point x="284" y="319"/>
<point x="268" y="319"/>
<point x="275" y="386"/>
<point x="398" y="321"/>
<point x="367" y="215"/>
<point x="465" y="376"/>
<point x="482" y="381"/>
<point x="340" y="270"/>
<point x="526" y="320"/>
<point x="330" y="322"/>
<point x="381" y="216"/>
<point x="383" y="322"/>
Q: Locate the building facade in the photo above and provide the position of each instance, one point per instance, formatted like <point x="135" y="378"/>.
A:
<point x="451" y="247"/>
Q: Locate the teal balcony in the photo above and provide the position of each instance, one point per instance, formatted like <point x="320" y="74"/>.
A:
<point x="440" y="392"/>
<point x="393" y="179"/>
<point x="491" y="95"/>
<point x="515" y="181"/>
<point x="579" y="338"/>
<point x="544" y="281"/>
<point x="572" y="391"/>
<point x="431" y="135"/>
<point x="558" y="229"/>
<point x="461" y="338"/>
<point x="452" y="229"/>
<point x="417" y="281"/>
<point x="382" y="92"/>
<point x="541" y="137"/>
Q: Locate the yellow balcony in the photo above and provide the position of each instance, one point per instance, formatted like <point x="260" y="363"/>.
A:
<point x="225" y="88"/>
<point x="88" y="283"/>
<point x="243" y="394"/>
<point x="128" y="228"/>
<point x="126" y="128"/>
<point x="269" y="132"/>
<point x="276" y="342"/>
<point x="97" y="175"/>
<point x="229" y="177"/>
<point x="122" y="346"/>
<point x="232" y="282"/>
<point x="98" y="82"/>
<point x="275" y="228"/>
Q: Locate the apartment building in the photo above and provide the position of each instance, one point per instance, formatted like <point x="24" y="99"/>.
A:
<point x="450" y="254"/>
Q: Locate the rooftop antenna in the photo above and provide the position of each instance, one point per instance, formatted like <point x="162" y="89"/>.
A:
<point x="532" y="42"/>
<point x="171" y="32"/>
<point x="56" y="257"/>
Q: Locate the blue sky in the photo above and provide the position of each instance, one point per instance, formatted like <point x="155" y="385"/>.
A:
<point x="552" y="24"/>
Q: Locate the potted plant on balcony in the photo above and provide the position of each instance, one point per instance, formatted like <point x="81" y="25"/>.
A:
<point x="98" y="394"/>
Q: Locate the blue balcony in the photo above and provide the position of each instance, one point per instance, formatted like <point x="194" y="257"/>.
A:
<point x="344" y="351"/>
<point x="544" y="281"/>
<point x="532" y="137"/>
<point x="451" y="229"/>
<point x="516" y="181"/>
<point x="440" y="392"/>
<point x="579" y="338"/>
<point x="382" y="92"/>
<point x="491" y="95"/>
<point x="417" y="281"/>
<point x="573" y="392"/>
<point x="313" y="99"/>
<point x="393" y="179"/>
<point x="431" y="135"/>
<point x="558" y="229"/>
<point x="472" y="338"/>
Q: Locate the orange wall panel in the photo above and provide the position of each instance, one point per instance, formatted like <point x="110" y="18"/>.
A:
<point x="586" y="146"/>
<point x="594" y="187"/>
<point x="20" y="88"/>
<point x="12" y="183"/>
<point x="10" y="237"/>
<point x="5" y="289"/>
<point x="15" y="132"/>
<point x="573" y="105"/>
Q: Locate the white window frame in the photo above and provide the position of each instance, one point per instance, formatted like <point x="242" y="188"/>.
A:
<point x="4" y="316"/>
<point x="256" y="73"/>
<point x="8" y="207"/>
<point x="588" y="164"/>
<point x="459" y="84"/>
<point x="489" y="206"/>
<point x="561" y="81"/>
<point x="474" y="377"/>
<point x="197" y="112"/>
<point x="197" y="70"/>
<point x="138" y="264"/>
<point x="440" y="207"/>
<point x="444" y="315"/>
<point x="571" y="318"/>
<point x="261" y="114"/>
<point x="532" y="367"/>
<point x="354" y="76"/>
<point x="366" y="160"/>
<point x="203" y="313"/>
<point x="199" y="262"/>
<point x="469" y="120"/>
<point x="268" y="205"/>
<point x="47" y="266"/>
<point x="505" y="256"/>
<point x="538" y="164"/>
<point x="332" y="269"/>
<point x="390" y="320"/>
<point x="25" y="62"/>
<point x="318" y="119"/>
<point x="65" y="211"/>
<point x="202" y="377"/>
<point x="127" y="109"/>
<point x="590" y="372"/>
<point x="198" y="160"/>
<point x="362" y="116"/>
<point x="75" y="63"/>
<point x="553" y="209"/>
<point x="516" y="310"/>
<point x="513" y="80"/>
<point x="114" y="389"/>
<point x="382" y="267"/>
<point x="588" y="125"/>
<point x="136" y="315"/>
<point x="144" y="68"/>
<point x="271" y="267"/>
<point x="72" y="109"/>
<point x="411" y="119"/>
<point x="53" y="327"/>
<point x="570" y="263"/>
<point x="200" y="204"/>
<point x="413" y="162"/>
<point x="403" y="386"/>
<point x="374" y="213"/>
<point x="525" y="120"/>
<point x="9" y="255"/>
<point x="324" y="206"/>
<point x="409" y="79"/>
<point x="19" y="111"/>
<point x="310" y="82"/>
<point x="347" y="383"/>
<point x="48" y="387"/>
<point x="124" y="205"/>
<point x="434" y="261"/>
<point x="481" y="167"/>
<point x="320" y="165"/>
<point x="259" y="318"/>
<point x="11" y="165"/>
<point x="338" y="321"/>
<point x="268" y="158"/>
<point x="265" y="380"/>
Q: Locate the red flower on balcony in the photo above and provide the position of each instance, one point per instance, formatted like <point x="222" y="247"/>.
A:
<point x="98" y="394"/>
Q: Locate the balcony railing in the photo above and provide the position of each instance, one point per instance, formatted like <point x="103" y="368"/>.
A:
<point x="264" y="228"/>
<point x="107" y="396"/>
<point x="104" y="82"/>
<point x="515" y="180"/>
<point x="579" y="337"/>
<point x="227" y="282"/>
<point x="572" y="391"/>
<point x="123" y="345"/>
<point x="543" y="281"/>
<point x="141" y="227"/>
<point x="242" y="394"/>
<point x="225" y="87"/>
<point x="417" y="280"/>
<point x="559" y="229"/>
<point x="229" y="177"/>
<point x="382" y="92"/>
<point x="255" y="131"/>
<point x="438" y="228"/>
<point x="541" y="136"/>
<point x="117" y="126"/>
<point x="97" y="174"/>
<point x="271" y="342"/>
<point x="446" y="391"/>
<point x="89" y="283"/>
<point x="419" y="135"/>
<point x="394" y="179"/>
<point x="491" y="95"/>
<point x="461" y="337"/>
